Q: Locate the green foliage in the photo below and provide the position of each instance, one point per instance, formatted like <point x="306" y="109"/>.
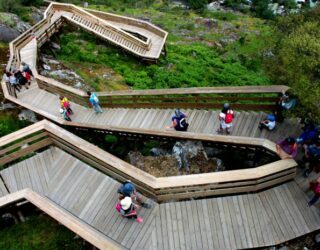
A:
<point x="186" y="65"/>
<point x="9" y="124"/>
<point x="197" y="4"/>
<point x="260" y="8"/>
<point x="111" y="139"/>
<point x="38" y="233"/>
<point x="297" y="59"/>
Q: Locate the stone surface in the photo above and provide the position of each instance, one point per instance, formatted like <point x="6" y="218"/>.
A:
<point x="28" y="115"/>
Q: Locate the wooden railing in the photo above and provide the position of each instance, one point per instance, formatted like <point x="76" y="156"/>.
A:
<point x="163" y="188"/>
<point x="95" y="21"/>
<point x="62" y="216"/>
<point x="261" y="98"/>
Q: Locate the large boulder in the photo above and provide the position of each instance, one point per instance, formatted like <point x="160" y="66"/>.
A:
<point x="7" y="34"/>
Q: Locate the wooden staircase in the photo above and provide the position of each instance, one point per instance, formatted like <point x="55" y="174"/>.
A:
<point x="147" y="44"/>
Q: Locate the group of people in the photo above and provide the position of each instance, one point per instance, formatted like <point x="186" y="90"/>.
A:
<point x="19" y="78"/>
<point x="127" y="204"/>
<point x="65" y="106"/>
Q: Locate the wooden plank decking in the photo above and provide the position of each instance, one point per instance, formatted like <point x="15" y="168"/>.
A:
<point x="233" y="222"/>
<point x="201" y="121"/>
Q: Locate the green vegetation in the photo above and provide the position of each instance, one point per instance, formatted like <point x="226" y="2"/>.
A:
<point x="10" y="123"/>
<point x="19" y="7"/>
<point x="296" y="62"/>
<point x="39" y="232"/>
<point x="195" y="57"/>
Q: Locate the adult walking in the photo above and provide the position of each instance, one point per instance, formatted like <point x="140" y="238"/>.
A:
<point x="225" y="117"/>
<point x="10" y="78"/>
<point x="93" y="99"/>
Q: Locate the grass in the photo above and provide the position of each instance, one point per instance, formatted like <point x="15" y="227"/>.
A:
<point x="10" y="123"/>
<point x="39" y="232"/>
<point x="193" y="59"/>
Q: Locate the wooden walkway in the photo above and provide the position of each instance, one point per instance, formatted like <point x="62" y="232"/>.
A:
<point x="118" y="30"/>
<point x="243" y="221"/>
<point x="201" y="121"/>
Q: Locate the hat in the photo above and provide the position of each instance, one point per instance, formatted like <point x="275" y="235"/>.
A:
<point x="61" y="111"/>
<point x="271" y="118"/>
<point x="177" y="112"/>
<point x="126" y="203"/>
<point x="226" y="105"/>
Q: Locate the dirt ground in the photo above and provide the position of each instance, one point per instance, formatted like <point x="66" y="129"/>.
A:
<point x="162" y="166"/>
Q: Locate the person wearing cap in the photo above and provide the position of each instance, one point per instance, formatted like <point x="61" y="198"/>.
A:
<point x="268" y="123"/>
<point x="287" y="148"/>
<point x="225" y="117"/>
<point x="129" y="190"/>
<point x="128" y="209"/>
<point x="179" y="121"/>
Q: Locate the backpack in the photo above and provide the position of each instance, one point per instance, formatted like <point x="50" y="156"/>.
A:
<point x="228" y="118"/>
<point x="183" y="123"/>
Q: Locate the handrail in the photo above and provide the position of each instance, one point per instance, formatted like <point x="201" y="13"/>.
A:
<point x="62" y="216"/>
<point x="76" y="10"/>
<point x="163" y="188"/>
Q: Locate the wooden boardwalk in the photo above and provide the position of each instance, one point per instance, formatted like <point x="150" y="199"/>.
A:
<point x="201" y="121"/>
<point x="233" y="222"/>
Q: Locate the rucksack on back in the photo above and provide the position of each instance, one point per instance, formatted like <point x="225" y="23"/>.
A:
<point x="183" y="123"/>
<point x="228" y="118"/>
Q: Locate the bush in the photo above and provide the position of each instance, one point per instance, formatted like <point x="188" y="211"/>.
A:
<point x="197" y="4"/>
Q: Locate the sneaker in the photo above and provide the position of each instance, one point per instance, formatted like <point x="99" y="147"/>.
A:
<point x="219" y="131"/>
<point x="139" y="220"/>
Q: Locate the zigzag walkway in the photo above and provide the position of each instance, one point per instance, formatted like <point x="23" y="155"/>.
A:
<point x="233" y="222"/>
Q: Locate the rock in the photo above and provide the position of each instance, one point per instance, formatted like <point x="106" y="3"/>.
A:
<point x="9" y="105"/>
<point x="28" y="115"/>
<point x="78" y="85"/>
<point x="157" y="152"/>
<point x="212" y="152"/>
<point x="8" y="34"/>
<point x="283" y="248"/>
<point x="22" y="26"/>
<point x="7" y="220"/>
<point x="210" y="22"/>
<point x="106" y="76"/>
<point x="59" y="73"/>
<point x="44" y="73"/>
<point x="214" y="6"/>
<point x="54" y="46"/>
<point x="178" y="4"/>
<point x="51" y="61"/>
<point x="136" y="159"/>
<point x="180" y="154"/>
<point x="46" y="67"/>
<point x="317" y="238"/>
<point x="219" y="164"/>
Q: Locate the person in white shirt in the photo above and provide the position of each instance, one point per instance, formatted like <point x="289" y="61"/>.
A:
<point x="268" y="123"/>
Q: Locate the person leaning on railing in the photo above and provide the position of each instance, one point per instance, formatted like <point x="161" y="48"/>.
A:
<point x="12" y="80"/>
<point x="287" y="148"/>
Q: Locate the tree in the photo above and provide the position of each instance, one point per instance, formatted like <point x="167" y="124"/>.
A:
<point x="297" y="64"/>
<point x="197" y="4"/>
<point x="261" y="9"/>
